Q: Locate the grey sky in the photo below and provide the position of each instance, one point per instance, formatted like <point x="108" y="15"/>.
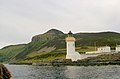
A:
<point x="22" y="19"/>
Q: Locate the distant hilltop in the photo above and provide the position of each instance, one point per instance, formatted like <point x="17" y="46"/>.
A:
<point x="51" y="45"/>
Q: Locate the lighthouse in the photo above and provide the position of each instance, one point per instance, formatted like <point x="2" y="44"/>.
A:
<point x="70" y="44"/>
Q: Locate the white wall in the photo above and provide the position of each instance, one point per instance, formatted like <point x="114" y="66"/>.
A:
<point x="104" y="49"/>
<point x="70" y="47"/>
<point x="71" y="54"/>
<point x="117" y="48"/>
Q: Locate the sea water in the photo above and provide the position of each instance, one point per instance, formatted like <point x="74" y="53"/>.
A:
<point x="64" y="72"/>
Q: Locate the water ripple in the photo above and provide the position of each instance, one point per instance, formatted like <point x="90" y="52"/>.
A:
<point x="68" y="72"/>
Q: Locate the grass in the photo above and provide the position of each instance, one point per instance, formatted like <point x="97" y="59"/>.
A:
<point x="10" y="52"/>
<point x="57" y="54"/>
<point x="47" y="56"/>
<point x="83" y="50"/>
<point x="33" y="54"/>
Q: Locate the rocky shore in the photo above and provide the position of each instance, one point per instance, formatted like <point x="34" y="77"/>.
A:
<point x="70" y="63"/>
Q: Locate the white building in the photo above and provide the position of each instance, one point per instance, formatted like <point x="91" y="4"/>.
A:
<point x="71" y="54"/>
<point x="118" y="48"/>
<point x="104" y="49"/>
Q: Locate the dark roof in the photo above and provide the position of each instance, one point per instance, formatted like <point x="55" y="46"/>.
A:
<point x="70" y="33"/>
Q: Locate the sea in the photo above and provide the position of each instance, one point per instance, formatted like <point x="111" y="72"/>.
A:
<point x="64" y="72"/>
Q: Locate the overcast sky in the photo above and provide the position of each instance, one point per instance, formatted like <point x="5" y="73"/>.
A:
<point x="22" y="19"/>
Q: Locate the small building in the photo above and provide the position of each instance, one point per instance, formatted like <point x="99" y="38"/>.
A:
<point x="104" y="49"/>
<point x="118" y="48"/>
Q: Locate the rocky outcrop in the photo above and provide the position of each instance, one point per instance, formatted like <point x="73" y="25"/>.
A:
<point x="49" y="35"/>
<point x="47" y="49"/>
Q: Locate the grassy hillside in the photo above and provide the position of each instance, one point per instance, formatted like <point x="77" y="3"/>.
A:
<point x="51" y="45"/>
<point x="101" y="39"/>
<point x="10" y="52"/>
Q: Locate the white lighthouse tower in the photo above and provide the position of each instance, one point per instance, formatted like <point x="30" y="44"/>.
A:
<point x="71" y="54"/>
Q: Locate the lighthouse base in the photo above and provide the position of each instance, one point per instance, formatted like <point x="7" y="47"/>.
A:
<point x="74" y="56"/>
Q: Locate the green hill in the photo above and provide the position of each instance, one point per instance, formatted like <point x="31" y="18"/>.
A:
<point x="9" y="52"/>
<point x="51" y="45"/>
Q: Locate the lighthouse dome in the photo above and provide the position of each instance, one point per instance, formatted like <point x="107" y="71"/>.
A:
<point x="70" y="39"/>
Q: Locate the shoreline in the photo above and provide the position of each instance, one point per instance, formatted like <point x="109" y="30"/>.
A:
<point x="77" y="63"/>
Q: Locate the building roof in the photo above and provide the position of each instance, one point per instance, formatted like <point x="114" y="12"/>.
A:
<point x="70" y="33"/>
<point x="103" y="46"/>
<point x="70" y="39"/>
<point x="118" y="46"/>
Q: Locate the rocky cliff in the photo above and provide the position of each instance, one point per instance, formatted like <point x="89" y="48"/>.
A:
<point x="49" y="35"/>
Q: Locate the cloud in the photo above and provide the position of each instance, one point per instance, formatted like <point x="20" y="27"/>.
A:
<point x="22" y="19"/>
